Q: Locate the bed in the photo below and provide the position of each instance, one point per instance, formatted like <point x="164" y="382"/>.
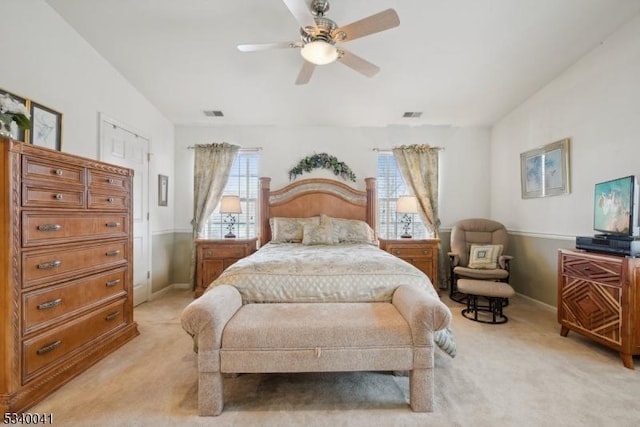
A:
<point x="318" y="295"/>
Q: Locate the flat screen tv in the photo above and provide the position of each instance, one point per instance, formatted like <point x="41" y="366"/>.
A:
<point x="615" y="210"/>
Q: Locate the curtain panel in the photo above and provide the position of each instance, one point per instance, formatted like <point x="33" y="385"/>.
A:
<point x="418" y="165"/>
<point x="212" y="165"/>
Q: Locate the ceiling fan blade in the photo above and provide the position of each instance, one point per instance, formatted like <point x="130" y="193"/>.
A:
<point x="267" y="46"/>
<point x="360" y="65"/>
<point x="305" y="73"/>
<point x="373" y="24"/>
<point x="300" y="10"/>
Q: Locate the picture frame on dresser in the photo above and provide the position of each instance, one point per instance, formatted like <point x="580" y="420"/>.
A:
<point x="46" y="127"/>
<point x="16" y="133"/>
<point x="544" y="171"/>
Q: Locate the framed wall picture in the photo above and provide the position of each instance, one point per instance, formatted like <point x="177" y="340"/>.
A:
<point x="46" y="127"/>
<point x="544" y="171"/>
<point x="163" y="190"/>
<point x="17" y="133"/>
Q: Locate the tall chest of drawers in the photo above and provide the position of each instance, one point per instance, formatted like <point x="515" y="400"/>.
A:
<point x="66" y="268"/>
<point x="599" y="298"/>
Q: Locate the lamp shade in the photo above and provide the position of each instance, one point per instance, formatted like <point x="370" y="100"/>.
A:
<point x="230" y="205"/>
<point x="407" y="204"/>
<point x="319" y="52"/>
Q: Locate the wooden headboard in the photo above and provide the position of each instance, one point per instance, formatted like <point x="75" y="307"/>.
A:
<point x="316" y="196"/>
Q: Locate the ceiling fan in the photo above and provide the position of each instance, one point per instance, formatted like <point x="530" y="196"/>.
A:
<point x="320" y="34"/>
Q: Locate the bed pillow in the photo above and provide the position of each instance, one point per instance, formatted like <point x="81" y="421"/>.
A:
<point x="484" y="256"/>
<point x="317" y="234"/>
<point x="290" y="230"/>
<point x="352" y="231"/>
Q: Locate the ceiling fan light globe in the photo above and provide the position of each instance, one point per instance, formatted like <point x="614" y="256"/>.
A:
<point x="319" y="52"/>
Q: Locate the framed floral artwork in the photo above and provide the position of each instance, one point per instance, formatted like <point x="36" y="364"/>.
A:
<point x="16" y="132"/>
<point x="46" y="127"/>
<point x="544" y="171"/>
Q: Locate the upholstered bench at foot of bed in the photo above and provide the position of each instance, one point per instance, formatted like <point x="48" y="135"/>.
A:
<point x="314" y="337"/>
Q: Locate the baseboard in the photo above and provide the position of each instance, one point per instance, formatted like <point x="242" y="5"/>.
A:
<point x="541" y="304"/>
<point x="175" y="286"/>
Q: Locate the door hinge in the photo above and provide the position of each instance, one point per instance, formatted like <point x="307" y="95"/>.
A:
<point x="148" y="217"/>
<point x="148" y="274"/>
<point x="148" y="157"/>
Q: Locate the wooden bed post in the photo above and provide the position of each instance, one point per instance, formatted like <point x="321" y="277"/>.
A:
<point x="265" y="230"/>
<point x="372" y="202"/>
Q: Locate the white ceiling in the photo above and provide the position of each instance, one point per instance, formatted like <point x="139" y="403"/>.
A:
<point x="459" y="62"/>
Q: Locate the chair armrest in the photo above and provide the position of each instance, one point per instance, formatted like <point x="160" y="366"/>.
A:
<point x="454" y="259"/>
<point x="424" y="313"/>
<point x="205" y="318"/>
<point x="504" y="261"/>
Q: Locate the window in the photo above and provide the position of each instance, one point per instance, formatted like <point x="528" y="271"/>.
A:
<point x="243" y="181"/>
<point x="390" y="186"/>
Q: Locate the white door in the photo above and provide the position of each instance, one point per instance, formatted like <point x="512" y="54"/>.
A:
<point x="128" y="149"/>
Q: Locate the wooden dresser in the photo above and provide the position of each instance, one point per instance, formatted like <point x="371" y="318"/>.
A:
<point x="66" y="288"/>
<point x="213" y="256"/>
<point x="599" y="297"/>
<point x="423" y="254"/>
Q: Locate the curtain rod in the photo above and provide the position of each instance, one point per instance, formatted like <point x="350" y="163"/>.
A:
<point x="391" y="149"/>
<point x="192" y="147"/>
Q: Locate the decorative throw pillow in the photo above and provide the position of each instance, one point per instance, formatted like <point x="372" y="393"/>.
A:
<point x="290" y="230"/>
<point x="317" y="234"/>
<point x="352" y="231"/>
<point x="484" y="256"/>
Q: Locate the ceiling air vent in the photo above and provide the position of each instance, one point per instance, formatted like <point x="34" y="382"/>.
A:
<point x="213" y="113"/>
<point x="412" y="114"/>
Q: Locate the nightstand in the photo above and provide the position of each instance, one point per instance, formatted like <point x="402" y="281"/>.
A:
<point x="214" y="256"/>
<point x="422" y="254"/>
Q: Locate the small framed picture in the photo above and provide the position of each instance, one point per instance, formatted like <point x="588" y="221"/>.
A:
<point x="545" y="170"/>
<point x="17" y="133"/>
<point x="163" y="190"/>
<point x="46" y="127"/>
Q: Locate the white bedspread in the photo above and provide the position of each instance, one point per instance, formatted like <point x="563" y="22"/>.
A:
<point x="292" y="272"/>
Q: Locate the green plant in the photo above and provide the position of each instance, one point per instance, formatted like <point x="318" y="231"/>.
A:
<point x="325" y="161"/>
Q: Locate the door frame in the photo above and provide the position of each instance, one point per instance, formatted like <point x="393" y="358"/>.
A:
<point x="102" y="118"/>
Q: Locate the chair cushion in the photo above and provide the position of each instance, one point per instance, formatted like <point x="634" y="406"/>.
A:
<point x="484" y="256"/>
<point x="481" y="274"/>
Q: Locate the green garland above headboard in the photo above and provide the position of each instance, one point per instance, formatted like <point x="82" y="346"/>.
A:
<point x="322" y="160"/>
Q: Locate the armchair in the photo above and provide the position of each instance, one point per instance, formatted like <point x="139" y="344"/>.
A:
<point x="480" y="232"/>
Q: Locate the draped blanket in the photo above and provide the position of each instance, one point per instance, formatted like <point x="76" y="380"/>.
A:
<point x="292" y="272"/>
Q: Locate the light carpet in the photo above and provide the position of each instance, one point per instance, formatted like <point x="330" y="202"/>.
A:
<point x="522" y="373"/>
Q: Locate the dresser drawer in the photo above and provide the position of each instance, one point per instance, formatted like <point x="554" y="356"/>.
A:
<point x="48" y="267"/>
<point x="114" y="200"/>
<point x="47" y="197"/>
<point x="593" y="269"/>
<point x="54" y="174"/>
<point x="45" y="229"/>
<point x="52" y="304"/>
<point x="106" y="181"/>
<point x="47" y="348"/>
<point x="402" y="252"/>
<point x="224" y="251"/>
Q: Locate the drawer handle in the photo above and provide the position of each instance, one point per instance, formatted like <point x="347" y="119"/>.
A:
<point x="112" y="283"/>
<point x="58" y="196"/>
<point x="49" y="304"/>
<point x="49" y="265"/>
<point x="49" y="347"/>
<point x="112" y="224"/>
<point x="110" y="199"/>
<point x="58" y="172"/>
<point x="49" y="227"/>
<point x="110" y="180"/>
<point x="113" y="253"/>
<point x="110" y="317"/>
